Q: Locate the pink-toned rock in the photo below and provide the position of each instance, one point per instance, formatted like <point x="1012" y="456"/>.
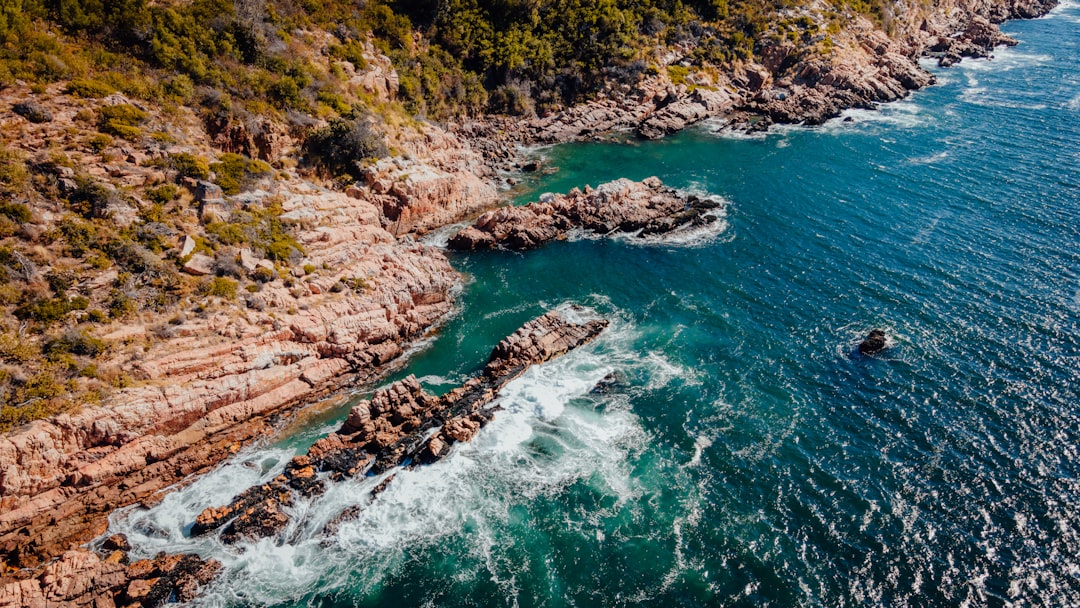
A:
<point x="621" y="206"/>
<point x="187" y="246"/>
<point x="395" y="426"/>
<point x="199" y="265"/>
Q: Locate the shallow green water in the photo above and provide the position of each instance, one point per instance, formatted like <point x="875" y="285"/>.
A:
<point x="752" y="457"/>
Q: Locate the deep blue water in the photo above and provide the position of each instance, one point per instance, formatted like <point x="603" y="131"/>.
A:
<point x="752" y="457"/>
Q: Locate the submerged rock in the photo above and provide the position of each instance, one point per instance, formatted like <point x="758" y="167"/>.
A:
<point x="873" y="343"/>
<point x="613" y="382"/>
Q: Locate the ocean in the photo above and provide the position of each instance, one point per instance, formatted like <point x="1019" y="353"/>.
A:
<point x="748" y="455"/>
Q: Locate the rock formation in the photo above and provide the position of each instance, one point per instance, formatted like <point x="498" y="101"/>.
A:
<point x="621" y="206"/>
<point x="873" y="343"/>
<point x="82" y="579"/>
<point x="400" y="424"/>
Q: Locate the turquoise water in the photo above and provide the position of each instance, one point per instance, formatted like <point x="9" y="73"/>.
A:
<point x="752" y="457"/>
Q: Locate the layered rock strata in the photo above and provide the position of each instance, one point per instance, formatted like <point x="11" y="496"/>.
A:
<point x="647" y="208"/>
<point x="219" y="377"/>
<point x="400" y="424"/>
<point x="82" y="579"/>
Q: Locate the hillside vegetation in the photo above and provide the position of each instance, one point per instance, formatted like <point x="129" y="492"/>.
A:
<point x="454" y="57"/>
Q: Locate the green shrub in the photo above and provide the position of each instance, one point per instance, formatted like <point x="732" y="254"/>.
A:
<point x="91" y="199"/>
<point x="95" y="316"/>
<point x="226" y="233"/>
<point x="223" y="288"/>
<point x="165" y="193"/>
<point x="233" y="172"/>
<point x="263" y="274"/>
<point x="122" y="120"/>
<point x="47" y="311"/>
<point x="14" y="176"/>
<point x="189" y="165"/>
<point x="120" y="304"/>
<point x="344" y="142"/>
<point x="17" y="212"/>
<point x="678" y="73"/>
<point x="99" y="142"/>
<point x="73" y="342"/>
<point x="15" y="349"/>
<point x="88" y="88"/>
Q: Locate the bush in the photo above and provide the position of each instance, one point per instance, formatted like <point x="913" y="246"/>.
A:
<point x="47" y="311"/>
<point x="163" y="194"/>
<point x="74" y="342"/>
<point x="14" y="176"/>
<point x="122" y="120"/>
<point x="342" y="144"/>
<point x="189" y="165"/>
<point x="99" y="142"/>
<point x="88" y="88"/>
<point x="263" y="274"/>
<point x="234" y="172"/>
<point x="17" y="212"/>
<point x="120" y="304"/>
<point x="223" y="288"/>
<point x="91" y="199"/>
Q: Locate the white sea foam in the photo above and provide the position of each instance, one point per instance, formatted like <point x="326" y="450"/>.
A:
<point x="931" y="159"/>
<point x="544" y="438"/>
<point x="441" y="236"/>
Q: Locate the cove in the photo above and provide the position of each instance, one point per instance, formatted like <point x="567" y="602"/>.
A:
<point x="748" y="455"/>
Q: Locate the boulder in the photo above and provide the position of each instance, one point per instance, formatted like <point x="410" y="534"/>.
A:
<point x="873" y="343"/>
<point x="33" y="111"/>
<point x="199" y="265"/>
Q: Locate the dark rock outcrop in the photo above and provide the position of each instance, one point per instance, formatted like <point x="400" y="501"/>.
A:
<point x="621" y="206"/>
<point x="401" y="424"/>
<point x="32" y="111"/>
<point x="873" y="343"/>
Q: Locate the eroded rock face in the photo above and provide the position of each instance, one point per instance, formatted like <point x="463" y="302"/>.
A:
<point x="80" y="578"/>
<point x="401" y="423"/>
<point x="621" y="206"/>
<point x="221" y="377"/>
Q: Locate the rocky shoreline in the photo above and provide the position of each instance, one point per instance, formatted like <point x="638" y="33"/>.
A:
<point x="401" y="424"/>
<point x="790" y="85"/>
<point x="216" y="383"/>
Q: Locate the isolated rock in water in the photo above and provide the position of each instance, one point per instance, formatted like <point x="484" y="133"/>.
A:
<point x="873" y="343"/>
<point x="400" y="424"/>
<point x="33" y="111"/>
<point x="613" y="382"/>
<point x="621" y="206"/>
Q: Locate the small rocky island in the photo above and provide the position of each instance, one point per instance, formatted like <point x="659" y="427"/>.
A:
<point x="647" y="208"/>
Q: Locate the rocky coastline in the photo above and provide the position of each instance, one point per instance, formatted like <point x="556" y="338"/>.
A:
<point x="216" y="383"/>
<point x="400" y="424"/>
<point x="791" y="84"/>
